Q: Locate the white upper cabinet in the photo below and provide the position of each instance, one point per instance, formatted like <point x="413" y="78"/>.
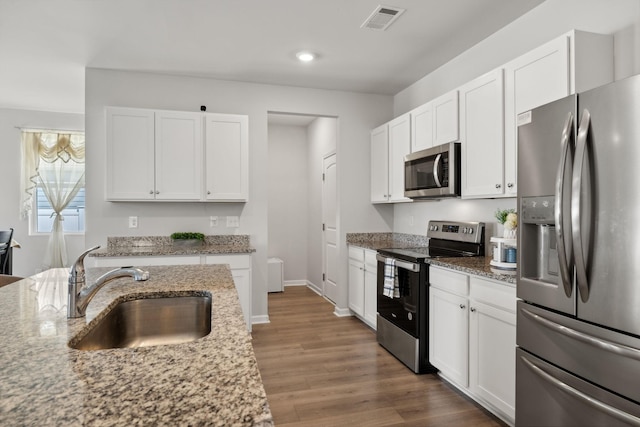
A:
<point x="574" y="62"/>
<point x="161" y="156"/>
<point x="380" y="164"/>
<point x="445" y="118"/>
<point x="422" y="127"/>
<point x="481" y="135"/>
<point x="227" y="157"/>
<point x="399" y="146"/>
<point x="130" y="154"/>
<point x="435" y="122"/>
<point x="178" y="151"/>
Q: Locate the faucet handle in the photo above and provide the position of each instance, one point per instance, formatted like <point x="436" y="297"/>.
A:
<point x="77" y="271"/>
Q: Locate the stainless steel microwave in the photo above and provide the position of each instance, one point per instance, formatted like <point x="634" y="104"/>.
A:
<point x="433" y="173"/>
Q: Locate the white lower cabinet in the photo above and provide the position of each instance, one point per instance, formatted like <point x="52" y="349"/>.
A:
<point x="240" y="265"/>
<point x="472" y="337"/>
<point x="363" y="284"/>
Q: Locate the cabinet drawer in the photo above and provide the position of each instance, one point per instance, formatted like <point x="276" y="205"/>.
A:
<point x="234" y="261"/>
<point x="449" y="281"/>
<point x="493" y="293"/>
<point x="356" y="253"/>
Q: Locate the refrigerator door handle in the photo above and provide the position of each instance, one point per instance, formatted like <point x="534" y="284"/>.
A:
<point x="564" y="247"/>
<point x="576" y="200"/>
<point x="436" y="169"/>
<point x="609" y="346"/>
<point x="577" y="394"/>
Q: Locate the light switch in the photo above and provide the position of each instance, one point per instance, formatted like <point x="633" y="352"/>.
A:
<point x="213" y="221"/>
<point x="133" y="222"/>
<point x="233" y="221"/>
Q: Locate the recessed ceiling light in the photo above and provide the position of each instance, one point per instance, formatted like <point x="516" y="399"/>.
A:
<point x="306" y="56"/>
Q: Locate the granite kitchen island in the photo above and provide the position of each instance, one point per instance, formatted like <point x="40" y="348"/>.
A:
<point x="213" y="381"/>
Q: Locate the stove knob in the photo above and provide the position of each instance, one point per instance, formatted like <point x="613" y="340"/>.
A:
<point x="470" y="230"/>
<point x="435" y="228"/>
<point x="464" y="230"/>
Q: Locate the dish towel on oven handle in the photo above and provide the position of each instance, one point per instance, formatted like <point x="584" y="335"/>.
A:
<point x="391" y="287"/>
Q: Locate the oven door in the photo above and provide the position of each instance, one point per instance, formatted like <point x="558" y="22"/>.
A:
<point x="402" y="311"/>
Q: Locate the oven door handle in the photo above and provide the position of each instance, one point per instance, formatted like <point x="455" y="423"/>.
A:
<point x="411" y="266"/>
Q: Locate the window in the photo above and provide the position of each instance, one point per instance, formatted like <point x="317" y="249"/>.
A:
<point x="53" y="167"/>
<point x="42" y="214"/>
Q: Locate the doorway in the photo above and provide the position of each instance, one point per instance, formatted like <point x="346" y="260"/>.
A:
<point x="301" y="149"/>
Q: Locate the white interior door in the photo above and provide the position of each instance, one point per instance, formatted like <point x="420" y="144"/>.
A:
<point x="330" y="235"/>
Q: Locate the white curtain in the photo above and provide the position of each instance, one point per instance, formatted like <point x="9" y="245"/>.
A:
<point x="55" y="161"/>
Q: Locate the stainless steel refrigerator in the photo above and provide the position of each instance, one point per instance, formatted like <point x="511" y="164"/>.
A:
<point x="578" y="324"/>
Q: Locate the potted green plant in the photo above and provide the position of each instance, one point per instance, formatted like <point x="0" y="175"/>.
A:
<point x="509" y="219"/>
<point x="188" y="239"/>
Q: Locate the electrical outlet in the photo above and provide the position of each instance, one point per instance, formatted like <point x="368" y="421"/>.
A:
<point x="233" y="221"/>
<point x="133" y="222"/>
<point x="213" y="221"/>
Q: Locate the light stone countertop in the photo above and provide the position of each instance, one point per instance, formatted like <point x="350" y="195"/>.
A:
<point x="471" y="265"/>
<point x="213" y="381"/>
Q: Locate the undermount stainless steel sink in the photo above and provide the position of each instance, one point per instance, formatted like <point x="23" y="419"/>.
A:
<point x="148" y="322"/>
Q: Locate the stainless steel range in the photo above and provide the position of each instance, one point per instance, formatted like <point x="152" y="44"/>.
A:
<point x="403" y="317"/>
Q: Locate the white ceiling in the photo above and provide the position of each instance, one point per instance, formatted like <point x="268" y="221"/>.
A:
<point x="46" y="44"/>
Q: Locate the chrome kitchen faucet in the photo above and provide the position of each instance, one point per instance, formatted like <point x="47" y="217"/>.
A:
<point x="79" y="295"/>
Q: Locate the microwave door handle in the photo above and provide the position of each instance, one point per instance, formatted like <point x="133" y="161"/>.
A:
<point x="436" y="170"/>
<point x="576" y="201"/>
<point x="564" y="247"/>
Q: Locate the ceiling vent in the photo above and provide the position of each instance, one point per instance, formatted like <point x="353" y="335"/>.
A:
<point x="382" y="17"/>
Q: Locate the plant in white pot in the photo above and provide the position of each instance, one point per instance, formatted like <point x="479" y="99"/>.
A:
<point x="509" y="219"/>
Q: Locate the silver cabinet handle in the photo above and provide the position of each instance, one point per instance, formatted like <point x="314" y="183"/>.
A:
<point x="498" y="186"/>
<point x="584" y="398"/>
<point x="208" y="192"/>
<point x="473" y="310"/>
<point x="611" y="347"/>
<point x="151" y="192"/>
<point x="436" y="167"/>
<point x="157" y="192"/>
<point x="576" y="201"/>
<point x="462" y="306"/>
<point x="510" y="185"/>
<point x="565" y="249"/>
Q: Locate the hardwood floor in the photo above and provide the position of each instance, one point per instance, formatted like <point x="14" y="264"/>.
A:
<point x="323" y="370"/>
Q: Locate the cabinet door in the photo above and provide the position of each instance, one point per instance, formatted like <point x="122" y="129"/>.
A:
<point x="370" y="288"/>
<point x="481" y="124"/>
<point x="240" y="266"/>
<point x="130" y="154"/>
<point x="399" y="146"/>
<point x="445" y="118"/>
<point x="356" y="287"/>
<point x="227" y="157"/>
<point x="492" y="356"/>
<point x="422" y="127"/>
<point x="536" y="78"/>
<point x="178" y="156"/>
<point x="448" y="335"/>
<point x="380" y="164"/>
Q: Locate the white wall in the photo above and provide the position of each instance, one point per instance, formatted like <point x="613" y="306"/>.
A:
<point x="357" y="113"/>
<point x="289" y="199"/>
<point x="322" y="136"/>
<point x="549" y="20"/>
<point x="28" y="259"/>
<point x="543" y="23"/>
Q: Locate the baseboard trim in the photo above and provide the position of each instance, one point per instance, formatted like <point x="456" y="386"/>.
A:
<point x="256" y="320"/>
<point x="342" y="312"/>
<point x="296" y="283"/>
